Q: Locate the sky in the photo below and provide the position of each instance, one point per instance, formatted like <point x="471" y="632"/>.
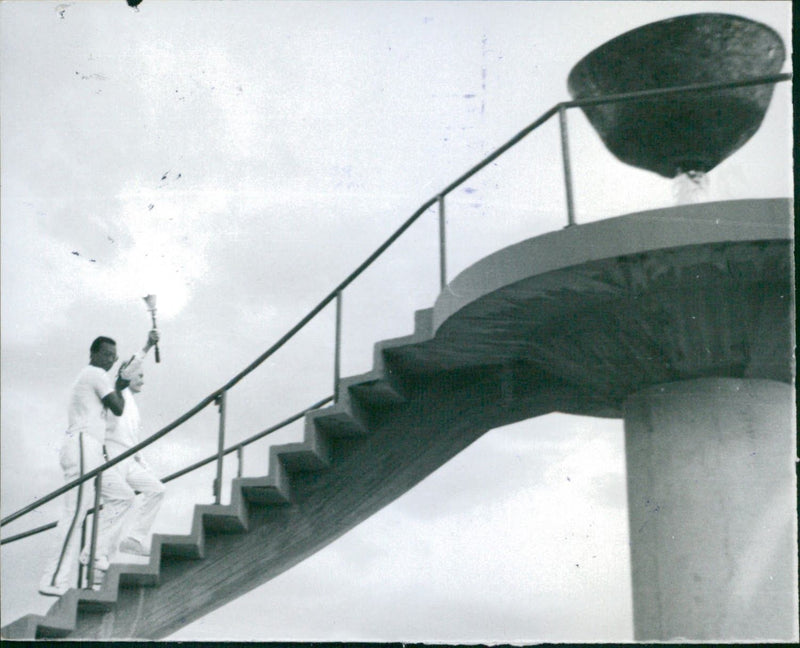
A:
<point x="238" y="160"/>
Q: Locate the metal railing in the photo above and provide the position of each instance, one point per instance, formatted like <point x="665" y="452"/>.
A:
<point x="218" y="397"/>
<point x="237" y="448"/>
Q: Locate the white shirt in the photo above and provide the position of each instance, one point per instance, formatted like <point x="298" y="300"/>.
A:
<point x="87" y="413"/>
<point x="124" y="429"/>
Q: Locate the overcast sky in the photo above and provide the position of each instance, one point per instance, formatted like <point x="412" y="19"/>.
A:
<point x="238" y="160"/>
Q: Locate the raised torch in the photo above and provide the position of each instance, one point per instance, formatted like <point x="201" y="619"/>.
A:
<point x="150" y="300"/>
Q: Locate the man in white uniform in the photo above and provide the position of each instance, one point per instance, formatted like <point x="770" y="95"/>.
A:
<point x="133" y="474"/>
<point x="93" y="395"/>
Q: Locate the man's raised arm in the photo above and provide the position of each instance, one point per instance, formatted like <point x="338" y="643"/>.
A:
<point x="115" y="401"/>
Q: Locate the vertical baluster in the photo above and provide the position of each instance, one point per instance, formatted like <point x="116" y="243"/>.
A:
<point x="442" y="246"/>
<point x="81" y="567"/>
<point x="562" y="118"/>
<point x="337" y="358"/>
<point x="220" y="402"/>
<point x="239" y="460"/>
<point x="98" y="483"/>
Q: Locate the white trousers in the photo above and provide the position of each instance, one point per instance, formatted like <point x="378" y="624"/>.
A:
<point x="79" y="454"/>
<point x="121" y="507"/>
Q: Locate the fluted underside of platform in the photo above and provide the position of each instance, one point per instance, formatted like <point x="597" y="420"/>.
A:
<point x="616" y="326"/>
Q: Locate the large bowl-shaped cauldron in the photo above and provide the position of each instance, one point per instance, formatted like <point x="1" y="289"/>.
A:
<point x="687" y="132"/>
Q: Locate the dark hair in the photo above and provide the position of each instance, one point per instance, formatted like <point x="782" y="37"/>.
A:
<point x="99" y="342"/>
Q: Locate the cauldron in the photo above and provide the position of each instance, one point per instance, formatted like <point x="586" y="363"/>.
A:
<point x="680" y="133"/>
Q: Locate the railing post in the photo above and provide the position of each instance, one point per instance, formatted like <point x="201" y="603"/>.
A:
<point x="442" y="245"/>
<point x="83" y="544"/>
<point x="98" y="483"/>
<point x="337" y="358"/>
<point x="219" y="401"/>
<point x="239" y="460"/>
<point x="562" y="119"/>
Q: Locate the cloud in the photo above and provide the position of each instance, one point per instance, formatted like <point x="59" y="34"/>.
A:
<point x="509" y="567"/>
<point x="547" y="452"/>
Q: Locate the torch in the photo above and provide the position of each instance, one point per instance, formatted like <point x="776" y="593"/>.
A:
<point x="150" y="300"/>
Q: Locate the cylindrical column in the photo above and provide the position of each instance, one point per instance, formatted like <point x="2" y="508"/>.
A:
<point x="712" y="510"/>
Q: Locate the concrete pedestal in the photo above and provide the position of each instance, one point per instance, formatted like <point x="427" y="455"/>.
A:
<point x="712" y="510"/>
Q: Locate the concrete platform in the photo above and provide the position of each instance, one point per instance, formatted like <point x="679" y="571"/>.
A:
<point x="615" y="306"/>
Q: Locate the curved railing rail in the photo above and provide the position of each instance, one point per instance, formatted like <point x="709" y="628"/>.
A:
<point x="218" y="396"/>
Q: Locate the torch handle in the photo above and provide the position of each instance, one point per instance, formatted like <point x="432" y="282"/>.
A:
<point x="158" y="353"/>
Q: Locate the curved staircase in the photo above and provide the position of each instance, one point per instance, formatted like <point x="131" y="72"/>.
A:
<point x="388" y="431"/>
<point x="572" y="321"/>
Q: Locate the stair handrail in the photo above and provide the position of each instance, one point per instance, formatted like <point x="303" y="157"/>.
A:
<point x="240" y="444"/>
<point x="285" y="338"/>
<point x="556" y="109"/>
<point x="199" y="464"/>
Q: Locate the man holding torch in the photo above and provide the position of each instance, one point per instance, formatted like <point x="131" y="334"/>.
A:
<point x="129" y="477"/>
<point x="93" y="395"/>
<point x="122" y="482"/>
